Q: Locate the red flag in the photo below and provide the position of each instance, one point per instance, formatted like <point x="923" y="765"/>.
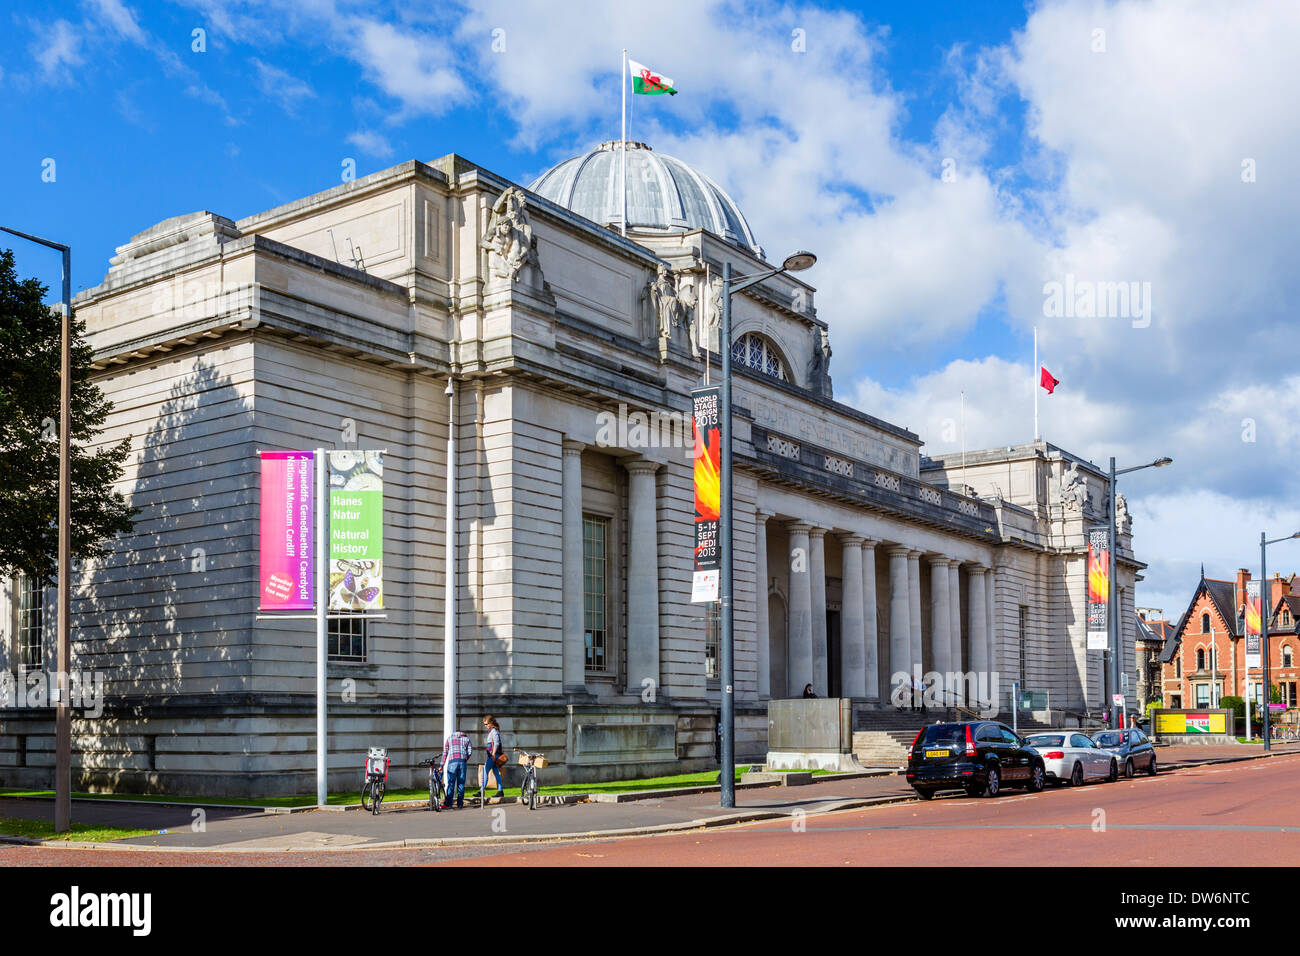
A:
<point x="1046" y="380"/>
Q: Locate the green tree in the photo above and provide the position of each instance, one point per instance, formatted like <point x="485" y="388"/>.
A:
<point x="30" y="347"/>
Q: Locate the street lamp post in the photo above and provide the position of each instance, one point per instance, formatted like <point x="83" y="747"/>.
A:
<point x="62" y="707"/>
<point x="795" y="262"/>
<point x="1263" y="627"/>
<point x="1112" y="619"/>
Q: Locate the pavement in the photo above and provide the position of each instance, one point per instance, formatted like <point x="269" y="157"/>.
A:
<point x="235" y="831"/>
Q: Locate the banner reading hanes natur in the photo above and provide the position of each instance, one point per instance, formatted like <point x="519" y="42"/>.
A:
<point x="285" y="582"/>
<point x="705" y="427"/>
<point x="1098" y="589"/>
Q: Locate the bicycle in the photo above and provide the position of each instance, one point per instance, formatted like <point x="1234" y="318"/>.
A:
<point x="376" y="781"/>
<point x="528" y="788"/>
<point x="437" y="792"/>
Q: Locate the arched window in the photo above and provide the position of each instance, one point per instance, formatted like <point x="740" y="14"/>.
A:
<point x="755" y="352"/>
<point x="1200" y="659"/>
<point x="1286" y="656"/>
<point x="1205" y="624"/>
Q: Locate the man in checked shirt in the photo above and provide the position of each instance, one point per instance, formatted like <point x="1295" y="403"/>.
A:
<point x="455" y="757"/>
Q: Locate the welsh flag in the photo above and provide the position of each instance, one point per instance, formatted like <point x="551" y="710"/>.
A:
<point x="647" y="81"/>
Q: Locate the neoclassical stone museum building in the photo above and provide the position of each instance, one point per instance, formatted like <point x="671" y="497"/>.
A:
<point x="437" y="309"/>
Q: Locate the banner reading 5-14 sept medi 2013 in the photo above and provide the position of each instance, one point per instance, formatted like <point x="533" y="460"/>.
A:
<point x="285" y="581"/>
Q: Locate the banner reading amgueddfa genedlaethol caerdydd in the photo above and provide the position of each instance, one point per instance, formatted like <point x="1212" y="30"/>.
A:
<point x="356" y="515"/>
<point x="286" y="579"/>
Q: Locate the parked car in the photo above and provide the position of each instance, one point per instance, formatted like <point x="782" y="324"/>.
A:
<point x="1131" y="748"/>
<point x="980" y="757"/>
<point x="1071" y="756"/>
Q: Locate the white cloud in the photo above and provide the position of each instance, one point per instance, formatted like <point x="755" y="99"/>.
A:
<point x="57" y="50"/>
<point x="281" y="86"/>
<point x="119" y="18"/>
<point x="416" y="69"/>
<point x="371" y="142"/>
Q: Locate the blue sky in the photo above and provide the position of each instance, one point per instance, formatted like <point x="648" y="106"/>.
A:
<point x="1100" y="139"/>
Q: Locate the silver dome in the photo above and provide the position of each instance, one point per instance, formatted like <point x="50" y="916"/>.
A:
<point x="663" y="194"/>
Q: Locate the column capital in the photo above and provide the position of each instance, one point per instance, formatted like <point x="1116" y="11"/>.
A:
<point x="898" y="550"/>
<point x="641" y="466"/>
<point x="976" y="568"/>
<point x="572" y="447"/>
<point x="914" y="555"/>
<point x="869" y="542"/>
<point x="954" y="564"/>
<point x="937" y="559"/>
<point x="815" y="532"/>
<point x="761" y="516"/>
<point x="798" y="527"/>
<point x="851" y="540"/>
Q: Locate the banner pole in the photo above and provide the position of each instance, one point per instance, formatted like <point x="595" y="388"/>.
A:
<point x="322" y="605"/>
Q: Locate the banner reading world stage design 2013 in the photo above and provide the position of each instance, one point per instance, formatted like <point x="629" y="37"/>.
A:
<point x="706" y="428"/>
<point x="1254" y="654"/>
<point x="1098" y="589"/>
<point x="356" y="530"/>
<point x="286" y="580"/>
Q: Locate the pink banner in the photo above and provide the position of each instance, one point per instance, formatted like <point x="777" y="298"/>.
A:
<point x="286" y="531"/>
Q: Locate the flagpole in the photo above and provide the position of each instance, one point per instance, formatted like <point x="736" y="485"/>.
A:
<point x="622" y="145"/>
<point x="963" y="443"/>
<point x="1034" y="380"/>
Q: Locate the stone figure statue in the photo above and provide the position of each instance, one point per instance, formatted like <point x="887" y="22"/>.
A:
<point x="708" y="316"/>
<point x="1074" y="491"/>
<point x="819" y="368"/>
<point x="509" y="237"/>
<point x="1123" y="523"/>
<point x="668" y="305"/>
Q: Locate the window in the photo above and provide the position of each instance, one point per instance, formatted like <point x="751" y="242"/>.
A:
<point x="1288" y="694"/>
<point x="1175" y="701"/>
<point x="1286" y="655"/>
<point x="755" y="352"/>
<point x="1200" y="658"/>
<point x="1178" y="667"/>
<point x="1202" y="695"/>
<point x="31" y="623"/>
<point x="1080" y="741"/>
<point x="595" y="590"/>
<point x="1205" y="624"/>
<point x="1024" y="640"/>
<point x="712" y="639"/>
<point x="345" y="636"/>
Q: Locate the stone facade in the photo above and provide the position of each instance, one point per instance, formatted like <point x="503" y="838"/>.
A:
<point x="339" y="321"/>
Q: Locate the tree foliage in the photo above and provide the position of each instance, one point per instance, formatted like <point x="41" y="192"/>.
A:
<point x="30" y="347"/>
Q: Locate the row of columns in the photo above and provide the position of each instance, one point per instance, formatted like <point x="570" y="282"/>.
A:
<point x="807" y="645"/>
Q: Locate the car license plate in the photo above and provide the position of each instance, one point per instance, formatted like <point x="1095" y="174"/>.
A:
<point x="938" y="753"/>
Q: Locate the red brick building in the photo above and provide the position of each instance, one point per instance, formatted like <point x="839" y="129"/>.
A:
<point x="1207" y="646"/>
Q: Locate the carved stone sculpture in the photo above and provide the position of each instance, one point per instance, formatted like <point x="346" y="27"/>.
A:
<point x="509" y="237"/>
<point x="1074" y="491"/>
<point x="668" y="306"/>
<point x="1123" y="521"/>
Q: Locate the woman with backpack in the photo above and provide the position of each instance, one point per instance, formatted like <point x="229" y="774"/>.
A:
<point x="494" y="754"/>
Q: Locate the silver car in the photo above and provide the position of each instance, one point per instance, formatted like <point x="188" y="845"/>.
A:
<point x="1072" y="756"/>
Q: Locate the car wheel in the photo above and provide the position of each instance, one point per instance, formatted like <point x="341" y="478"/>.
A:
<point x="1076" y="776"/>
<point x="971" y="790"/>
<point x="1037" y="779"/>
<point x="1114" y="772"/>
<point x="1128" y="769"/>
<point x="993" y="785"/>
<point x="1151" y="768"/>
<point x="924" y="794"/>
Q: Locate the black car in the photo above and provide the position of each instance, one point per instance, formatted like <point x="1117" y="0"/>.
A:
<point x="1131" y="748"/>
<point x="980" y="757"/>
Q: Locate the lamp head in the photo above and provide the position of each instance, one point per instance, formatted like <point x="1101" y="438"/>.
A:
<point x="1161" y="462"/>
<point x="798" y="261"/>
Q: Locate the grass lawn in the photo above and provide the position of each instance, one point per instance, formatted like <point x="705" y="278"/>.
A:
<point x="705" y="778"/>
<point x="44" y="830"/>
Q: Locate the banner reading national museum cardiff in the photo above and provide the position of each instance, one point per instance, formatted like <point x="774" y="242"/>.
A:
<point x="1098" y="589"/>
<point x="356" y="559"/>
<point x="707" y="433"/>
<point x="1254" y="657"/>
<point x="286" y="581"/>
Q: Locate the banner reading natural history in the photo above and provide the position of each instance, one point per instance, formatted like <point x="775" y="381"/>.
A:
<point x="356" y="558"/>
<point x="1098" y="589"/>
<point x="706" y="429"/>
<point x="285" y="582"/>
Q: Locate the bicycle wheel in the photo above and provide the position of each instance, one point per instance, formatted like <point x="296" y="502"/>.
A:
<point x="532" y="791"/>
<point x="377" y="796"/>
<point x="433" y="792"/>
<point x="365" y="795"/>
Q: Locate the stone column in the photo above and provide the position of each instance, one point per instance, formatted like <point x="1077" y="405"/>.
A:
<point x="914" y="612"/>
<point x="900" y="627"/>
<point x="954" y="619"/>
<point x="642" y="577"/>
<point x="817" y="580"/>
<point x="870" y="634"/>
<point x="853" y="671"/>
<point x="798" y="664"/>
<point x="940" y="624"/>
<point x="977" y="610"/>
<point x="573" y="606"/>
<point x="991" y="606"/>
<point x="762" y="633"/>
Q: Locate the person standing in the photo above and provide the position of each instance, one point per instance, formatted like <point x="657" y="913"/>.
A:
<point x="492" y="750"/>
<point x="455" y="757"/>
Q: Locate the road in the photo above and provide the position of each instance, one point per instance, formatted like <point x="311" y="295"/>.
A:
<point x="1199" y="816"/>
